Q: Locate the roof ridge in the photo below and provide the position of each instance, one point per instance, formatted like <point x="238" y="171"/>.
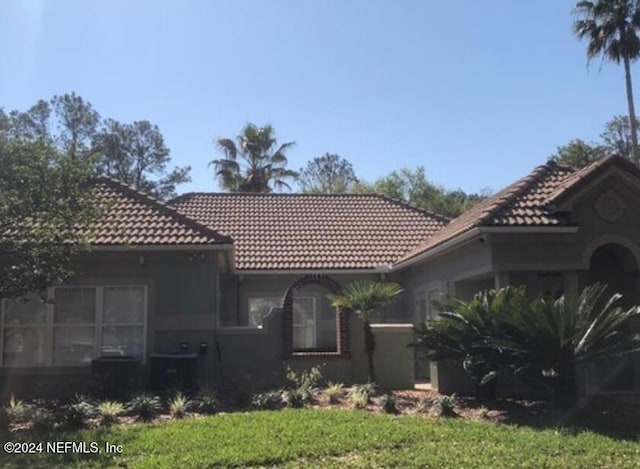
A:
<point x="164" y="208"/>
<point x="394" y="200"/>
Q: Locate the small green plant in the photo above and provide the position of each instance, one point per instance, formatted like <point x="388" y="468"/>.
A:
<point x="297" y="397"/>
<point x="358" y="398"/>
<point x="389" y="403"/>
<point x="77" y="412"/>
<point x="334" y="392"/>
<point x="368" y="389"/>
<point x="308" y="379"/>
<point x="444" y="406"/>
<point x="109" y="411"/>
<point x="145" y="406"/>
<point x="207" y="402"/>
<point x="179" y="405"/>
<point x="43" y="420"/>
<point x="18" y="411"/>
<point x="269" y="400"/>
<point x="423" y="406"/>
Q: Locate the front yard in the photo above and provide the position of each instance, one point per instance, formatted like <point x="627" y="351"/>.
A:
<point x="338" y="438"/>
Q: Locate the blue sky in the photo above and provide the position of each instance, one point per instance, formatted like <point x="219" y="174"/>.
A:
<point x="478" y="93"/>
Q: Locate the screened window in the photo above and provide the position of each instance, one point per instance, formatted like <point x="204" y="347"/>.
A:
<point x="75" y="326"/>
<point x="304" y="318"/>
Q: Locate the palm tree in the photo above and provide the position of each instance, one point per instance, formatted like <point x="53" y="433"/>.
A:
<point x="365" y="298"/>
<point x="264" y="169"/>
<point x="611" y="27"/>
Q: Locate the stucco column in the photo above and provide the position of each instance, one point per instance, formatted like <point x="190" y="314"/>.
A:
<point x="501" y="279"/>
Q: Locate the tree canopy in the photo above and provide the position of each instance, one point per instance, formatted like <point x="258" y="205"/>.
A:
<point x="134" y="153"/>
<point x="327" y="174"/>
<point x="412" y="186"/>
<point x="45" y="201"/>
<point x="615" y="140"/>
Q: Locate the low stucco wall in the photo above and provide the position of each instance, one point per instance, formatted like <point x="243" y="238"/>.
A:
<point x="253" y="357"/>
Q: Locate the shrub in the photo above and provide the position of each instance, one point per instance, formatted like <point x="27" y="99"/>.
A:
<point x="109" y="412"/>
<point x="145" y="406"/>
<point x="538" y="341"/>
<point x="43" y="420"/>
<point x="306" y="378"/>
<point x="297" y="397"/>
<point x="423" y="406"/>
<point x="206" y="402"/>
<point x="389" y="403"/>
<point x="269" y="400"/>
<point x="358" y="399"/>
<point x="334" y="392"/>
<point x="368" y="389"/>
<point x="18" y="411"/>
<point x="444" y="406"/>
<point x="179" y="405"/>
<point x="77" y="412"/>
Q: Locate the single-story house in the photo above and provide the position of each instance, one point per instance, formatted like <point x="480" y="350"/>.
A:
<point x="240" y="280"/>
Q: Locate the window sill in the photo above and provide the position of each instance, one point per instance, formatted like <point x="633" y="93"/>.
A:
<point x="318" y="354"/>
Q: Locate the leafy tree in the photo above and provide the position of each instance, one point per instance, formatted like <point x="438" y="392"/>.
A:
<point x="254" y="163"/>
<point x="578" y="154"/>
<point x="538" y="341"/>
<point x="45" y="200"/>
<point x="617" y="137"/>
<point x="137" y="155"/>
<point x="412" y="186"/>
<point x="611" y="29"/>
<point x="365" y="298"/>
<point x="327" y="174"/>
<point x="134" y="153"/>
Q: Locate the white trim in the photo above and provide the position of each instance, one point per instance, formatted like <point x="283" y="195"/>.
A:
<point x="528" y="229"/>
<point x="179" y="248"/>
<point x="309" y="272"/>
<point x="545" y="267"/>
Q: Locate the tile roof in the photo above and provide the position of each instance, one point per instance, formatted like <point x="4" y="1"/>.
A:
<point x="134" y="218"/>
<point x="523" y="203"/>
<point x="530" y="201"/>
<point x="303" y="231"/>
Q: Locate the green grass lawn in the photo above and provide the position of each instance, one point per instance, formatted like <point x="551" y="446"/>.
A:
<point x="339" y="438"/>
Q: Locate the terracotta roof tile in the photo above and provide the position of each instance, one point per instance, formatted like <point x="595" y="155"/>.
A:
<point x="301" y="231"/>
<point x="134" y="218"/>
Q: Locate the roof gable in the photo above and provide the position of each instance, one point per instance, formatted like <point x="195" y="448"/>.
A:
<point x="133" y="218"/>
<point x="307" y="231"/>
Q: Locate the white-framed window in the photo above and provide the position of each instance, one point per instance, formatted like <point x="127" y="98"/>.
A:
<point x="424" y="302"/>
<point x="75" y="325"/>
<point x="304" y="317"/>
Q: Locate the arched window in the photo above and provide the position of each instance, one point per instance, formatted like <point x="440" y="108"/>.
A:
<point x="298" y="317"/>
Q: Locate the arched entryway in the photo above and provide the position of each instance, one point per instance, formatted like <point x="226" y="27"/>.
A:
<point x="615" y="265"/>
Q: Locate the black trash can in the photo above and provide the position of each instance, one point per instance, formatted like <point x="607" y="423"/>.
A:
<point x="174" y="371"/>
<point x="115" y="376"/>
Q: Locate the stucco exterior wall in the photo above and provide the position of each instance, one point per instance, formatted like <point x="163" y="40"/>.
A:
<point x="181" y="305"/>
